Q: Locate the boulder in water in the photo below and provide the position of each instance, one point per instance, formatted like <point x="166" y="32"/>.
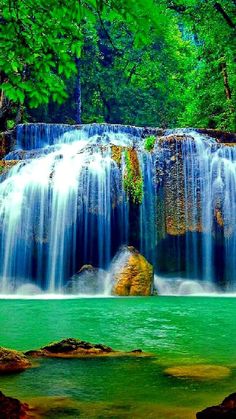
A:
<point x="199" y="372"/>
<point x="12" y="408"/>
<point x="225" y="410"/>
<point x="12" y="361"/>
<point x="75" y="348"/>
<point x="131" y="273"/>
<point x="88" y="280"/>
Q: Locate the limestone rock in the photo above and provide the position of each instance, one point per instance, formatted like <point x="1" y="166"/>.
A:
<point x="225" y="410"/>
<point x="131" y="273"/>
<point x="12" y="408"/>
<point x="12" y="361"/>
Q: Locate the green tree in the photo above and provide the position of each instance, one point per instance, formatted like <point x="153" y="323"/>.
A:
<point x="40" y="40"/>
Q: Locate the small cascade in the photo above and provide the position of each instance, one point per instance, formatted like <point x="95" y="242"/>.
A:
<point x="65" y="205"/>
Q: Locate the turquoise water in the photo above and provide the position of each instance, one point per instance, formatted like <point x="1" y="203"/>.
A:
<point x="176" y="330"/>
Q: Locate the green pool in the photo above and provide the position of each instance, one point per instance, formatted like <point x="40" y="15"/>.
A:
<point x="177" y="330"/>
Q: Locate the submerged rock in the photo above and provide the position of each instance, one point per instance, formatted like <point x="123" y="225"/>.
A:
<point x="199" y="372"/>
<point x="88" y="280"/>
<point x="225" y="410"/>
<point x="12" y="361"/>
<point x="131" y="273"/>
<point x="75" y="348"/>
<point x="12" y="408"/>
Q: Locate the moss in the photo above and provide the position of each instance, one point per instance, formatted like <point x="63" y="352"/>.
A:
<point x="133" y="181"/>
<point x="116" y="154"/>
<point x="149" y="143"/>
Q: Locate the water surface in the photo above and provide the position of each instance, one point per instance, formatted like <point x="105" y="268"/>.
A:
<point x="177" y="330"/>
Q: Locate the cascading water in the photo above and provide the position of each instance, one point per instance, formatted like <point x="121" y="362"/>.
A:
<point x="64" y="205"/>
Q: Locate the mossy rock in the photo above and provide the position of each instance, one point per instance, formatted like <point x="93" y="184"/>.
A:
<point x="75" y="348"/>
<point x="199" y="372"/>
<point x="133" y="274"/>
<point x="12" y="361"/>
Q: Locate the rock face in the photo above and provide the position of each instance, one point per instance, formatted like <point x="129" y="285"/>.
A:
<point x="225" y="410"/>
<point x="12" y="361"/>
<point x="131" y="273"/>
<point x="88" y="280"/>
<point x="12" y="408"/>
<point x="75" y="348"/>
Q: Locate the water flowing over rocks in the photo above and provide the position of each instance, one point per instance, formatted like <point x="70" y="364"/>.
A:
<point x="131" y="273"/>
<point x="74" y="198"/>
<point x="225" y="410"/>
<point x="12" y="361"/>
<point x="88" y="281"/>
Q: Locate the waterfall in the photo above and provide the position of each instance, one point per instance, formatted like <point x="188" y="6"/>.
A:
<point x="64" y="205"/>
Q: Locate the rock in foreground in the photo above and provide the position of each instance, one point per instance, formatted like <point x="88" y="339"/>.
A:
<point x="12" y="408"/>
<point x="75" y="348"/>
<point x="225" y="410"/>
<point x="132" y="274"/>
<point x="12" y="361"/>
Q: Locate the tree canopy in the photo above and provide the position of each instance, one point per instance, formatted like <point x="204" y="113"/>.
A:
<point x="144" y="62"/>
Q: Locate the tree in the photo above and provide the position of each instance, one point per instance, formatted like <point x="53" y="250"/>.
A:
<point x="40" y="41"/>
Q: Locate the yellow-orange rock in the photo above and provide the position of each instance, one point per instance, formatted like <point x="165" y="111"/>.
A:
<point x="133" y="274"/>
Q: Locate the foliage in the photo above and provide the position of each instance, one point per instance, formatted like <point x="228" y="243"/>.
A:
<point x="149" y="142"/>
<point x="168" y="63"/>
<point x="210" y="97"/>
<point x="40" y="41"/>
<point x="133" y="181"/>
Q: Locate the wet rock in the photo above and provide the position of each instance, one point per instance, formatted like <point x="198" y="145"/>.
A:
<point x="12" y="361"/>
<point x="6" y="165"/>
<point x="75" y="348"/>
<point x="88" y="280"/>
<point x="199" y="372"/>
<point x="7" y="142"/>
<point x="220" y="136"/>
<point x="131" y="273"/>
<point x="12" y="408"/>
<point x="225" y="410"/>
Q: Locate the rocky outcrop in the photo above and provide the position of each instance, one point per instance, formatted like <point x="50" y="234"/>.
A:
<point x="75" y="348"/>
<point x="12" y="361"/>
<point x="225" y="410"/>
<point x="220" y="136"/>
<point x="131" y="273"/>
<point x="12" y="408"/>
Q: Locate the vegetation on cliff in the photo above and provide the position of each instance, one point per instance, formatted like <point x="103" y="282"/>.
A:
<point x="133" y="181"/>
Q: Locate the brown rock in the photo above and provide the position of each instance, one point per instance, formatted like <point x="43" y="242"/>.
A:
<point x="225" y="410"/>
<point x="132" y="274"/>
<point x="12" y="361"/>
<point x="75" y="348"/>
<point x="12" y="408"/>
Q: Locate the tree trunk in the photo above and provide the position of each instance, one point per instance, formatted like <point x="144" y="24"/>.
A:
<point x="223" y="13"/>
<point x="78" y="102"/>
<point x="224" y="72"/>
